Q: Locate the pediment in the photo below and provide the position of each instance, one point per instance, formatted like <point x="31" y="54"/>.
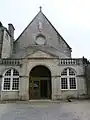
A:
<point x="40" y="54"/>
<point x="40" y="31"/>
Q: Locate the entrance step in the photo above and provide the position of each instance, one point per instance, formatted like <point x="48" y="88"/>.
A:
<point x="40" y="101"/>
<point x="43" y="101"/>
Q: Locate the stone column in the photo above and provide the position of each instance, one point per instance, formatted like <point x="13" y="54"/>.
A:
<point x="24" y="82"/>
<point x="53" y="88"/>
<point x="24" y="88"/>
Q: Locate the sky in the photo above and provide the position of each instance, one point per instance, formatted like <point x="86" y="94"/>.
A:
<point x="71" y="18"/>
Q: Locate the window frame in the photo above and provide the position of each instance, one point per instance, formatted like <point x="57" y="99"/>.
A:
<point x="61" y="84"/>
<point x="11" y="80"/>
<point x="68" y="79"/>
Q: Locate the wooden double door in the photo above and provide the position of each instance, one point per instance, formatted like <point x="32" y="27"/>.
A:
<point x="39" y="88"/>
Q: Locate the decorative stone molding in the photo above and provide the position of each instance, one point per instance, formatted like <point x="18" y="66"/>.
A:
<point x="10" y="61"/>
<point x="70" y="61"/>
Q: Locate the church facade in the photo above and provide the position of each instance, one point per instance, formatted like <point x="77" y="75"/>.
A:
<point x="38" y="64"/>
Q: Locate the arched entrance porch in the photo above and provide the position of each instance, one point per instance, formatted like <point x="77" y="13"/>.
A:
<point x="40" y="83"/>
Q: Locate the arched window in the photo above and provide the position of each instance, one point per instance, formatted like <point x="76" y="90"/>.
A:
<point x="68" y="79"/>
<point x="10" y="80"/>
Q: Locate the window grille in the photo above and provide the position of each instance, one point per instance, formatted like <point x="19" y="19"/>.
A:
<point x="64" y="84"/>
<point x="6" y="83"/>
<point x="15" y="84"/>
<point x="11" y="80"/>
<point x="72" y="82"/>
<point x="64" y="72"/>
<point x="8" y="73"/>
<point x="68" y="79"/>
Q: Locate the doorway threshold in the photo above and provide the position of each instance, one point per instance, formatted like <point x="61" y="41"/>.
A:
<point x="41" y="101"/>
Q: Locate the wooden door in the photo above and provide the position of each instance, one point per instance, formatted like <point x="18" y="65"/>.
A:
<point x="34" y="88"/>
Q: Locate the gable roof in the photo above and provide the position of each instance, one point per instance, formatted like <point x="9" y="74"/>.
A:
<point x="49" y="23"/>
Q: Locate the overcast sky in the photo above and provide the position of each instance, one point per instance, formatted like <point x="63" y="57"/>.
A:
<point x="70" y="17"/>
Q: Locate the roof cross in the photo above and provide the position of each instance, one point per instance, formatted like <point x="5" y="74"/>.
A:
<point x="40" y="8"/>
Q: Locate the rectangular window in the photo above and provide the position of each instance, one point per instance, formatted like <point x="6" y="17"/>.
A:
<point x="64" y="83"/>
<point x="6" y="83"/>
<point x="72" y="83"/>
<point x="15" y="84"/>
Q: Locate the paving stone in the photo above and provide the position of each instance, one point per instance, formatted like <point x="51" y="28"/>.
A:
<point x="77" y="110"/>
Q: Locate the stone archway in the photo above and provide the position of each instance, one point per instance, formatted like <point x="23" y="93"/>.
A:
<point x="40" y="83"/>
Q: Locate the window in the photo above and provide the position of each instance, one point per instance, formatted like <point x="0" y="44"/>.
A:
<point x="72" y="83"/>
<point x="11" y="80"/>
<point x="64" y="84"/>
<point x="68" y="79"/>
<point x="64" y="72"/>
<point x="15" y="84"/>
<point x="7" y="84"/>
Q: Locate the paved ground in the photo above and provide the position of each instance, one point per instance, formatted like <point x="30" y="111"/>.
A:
<point x="76" y="110"/>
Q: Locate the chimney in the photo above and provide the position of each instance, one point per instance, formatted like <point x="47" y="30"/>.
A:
<point x="1" y="24"/>
<point x="11" y="29"/>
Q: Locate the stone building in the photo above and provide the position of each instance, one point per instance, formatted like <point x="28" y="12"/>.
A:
<point x="38" y="64"/>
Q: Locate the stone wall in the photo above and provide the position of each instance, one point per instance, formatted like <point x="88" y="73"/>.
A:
<point x="81" y="87"/>
<point x="87" y="74"/>
<point x="8" y="95"/>
<point x="28" y="37"/>
<point x="53" y="65"/>
<point x="1" y="39"/>
<point x="56" y="70"/>
<point x="6" y="47"/>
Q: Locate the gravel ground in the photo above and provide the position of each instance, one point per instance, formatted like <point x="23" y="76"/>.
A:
<point x="76" y="110"/>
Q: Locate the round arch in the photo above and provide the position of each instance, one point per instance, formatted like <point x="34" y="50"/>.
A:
<point x="69" y="68"/>
<point x="40" y="82"/>
<point x="6" y="69"/>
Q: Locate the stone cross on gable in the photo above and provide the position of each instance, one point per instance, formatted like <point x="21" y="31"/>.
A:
<point x="40" y="24"/>
<point x="40" y="8"/>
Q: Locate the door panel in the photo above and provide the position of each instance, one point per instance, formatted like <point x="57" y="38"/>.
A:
<point x="34" y="88"/>
<point x="39" y="88"/>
